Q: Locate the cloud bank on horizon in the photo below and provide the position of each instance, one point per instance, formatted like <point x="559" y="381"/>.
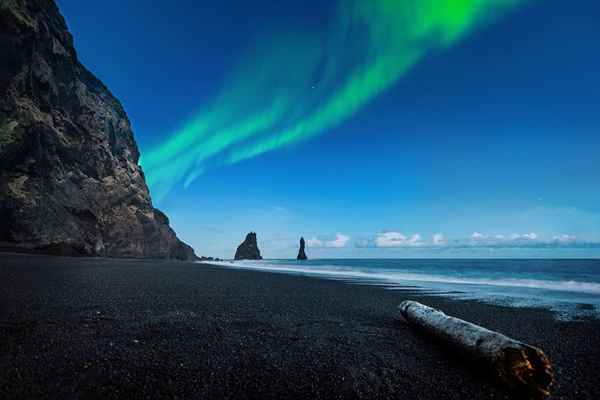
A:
<point x="337" y="243"/>
<point x="398" y="240"/>
<point x="296" y="85"/>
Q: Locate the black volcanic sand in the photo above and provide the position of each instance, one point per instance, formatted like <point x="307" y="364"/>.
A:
<point x="109" y="328"/>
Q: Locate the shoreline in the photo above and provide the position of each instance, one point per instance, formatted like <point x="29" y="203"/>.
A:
<point x="139" y="327"/>
<point x="566" y="299"/>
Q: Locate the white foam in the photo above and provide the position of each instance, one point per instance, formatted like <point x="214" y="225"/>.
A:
<point x="394" y="277"/>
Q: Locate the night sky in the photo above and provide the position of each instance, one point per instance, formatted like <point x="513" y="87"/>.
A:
<point x="379" y="128"/>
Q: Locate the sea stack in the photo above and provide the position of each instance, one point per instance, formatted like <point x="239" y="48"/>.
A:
<point x="301" y="252"/>
<point x="248" y="250"/>
<point x="70" y="183"/>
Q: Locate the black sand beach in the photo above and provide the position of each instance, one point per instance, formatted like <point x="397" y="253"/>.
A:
<point x="111" y="328"/>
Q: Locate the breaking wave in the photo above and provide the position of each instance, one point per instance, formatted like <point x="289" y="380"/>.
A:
<point x="399" y="278"/>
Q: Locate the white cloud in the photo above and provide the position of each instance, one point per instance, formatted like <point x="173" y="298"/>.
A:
<point x="482" y="237"/>
<point x="337" y="243"/>
<point x="340" y="241"/>
<point x="478" y="236"/>
<point x="397" y="239"/>
<point x="415" y="239"/>
<point x="524" y="236"/>
<point x="438" y="239"/>
<point x="565" y="238"/>
<point x="522" y="240"/>
<point x="314" y="242"/>
<point x="478" y="240"/>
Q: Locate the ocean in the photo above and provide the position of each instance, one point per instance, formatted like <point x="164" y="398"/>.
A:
<point x="570" y="288"/>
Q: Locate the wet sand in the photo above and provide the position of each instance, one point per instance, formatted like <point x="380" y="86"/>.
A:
<point x="111" y="328"/>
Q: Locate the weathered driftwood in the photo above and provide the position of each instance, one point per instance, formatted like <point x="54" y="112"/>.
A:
<point x="523" y="368"/>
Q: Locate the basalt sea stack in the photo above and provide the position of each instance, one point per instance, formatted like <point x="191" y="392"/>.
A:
<point x="301" y="252"/>
<point x="248" y="250"/>
<point x="70" y="182"/>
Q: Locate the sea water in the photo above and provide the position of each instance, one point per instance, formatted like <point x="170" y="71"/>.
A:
<point x="571" y="288"/>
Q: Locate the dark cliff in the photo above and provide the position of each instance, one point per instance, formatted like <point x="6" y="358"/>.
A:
<point x="70" y="182"/>
<point x="301" y="251"/>
<point x="248" y="249"/>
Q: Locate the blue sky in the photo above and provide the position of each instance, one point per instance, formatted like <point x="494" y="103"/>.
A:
<point x="489" y="148"/>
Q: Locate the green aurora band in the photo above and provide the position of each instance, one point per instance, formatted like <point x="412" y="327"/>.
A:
<point x="300" y="84"/>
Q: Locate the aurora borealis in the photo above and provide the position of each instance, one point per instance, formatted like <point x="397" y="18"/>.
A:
<point x="295" y="85"/>
<point x="430" y="128"/>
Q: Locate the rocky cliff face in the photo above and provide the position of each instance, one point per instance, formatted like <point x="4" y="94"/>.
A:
<point x="70" y="182"/>
<point x="302" y="252"/>
<point x="248" y="250"/>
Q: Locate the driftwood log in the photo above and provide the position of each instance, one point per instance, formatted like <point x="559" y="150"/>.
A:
<point x="523" y="368"/>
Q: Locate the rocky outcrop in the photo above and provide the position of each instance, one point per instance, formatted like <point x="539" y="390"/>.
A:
<point x="248" y="250"/>
<point x="301" y="252"/>
<point x="70" y="182"/>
